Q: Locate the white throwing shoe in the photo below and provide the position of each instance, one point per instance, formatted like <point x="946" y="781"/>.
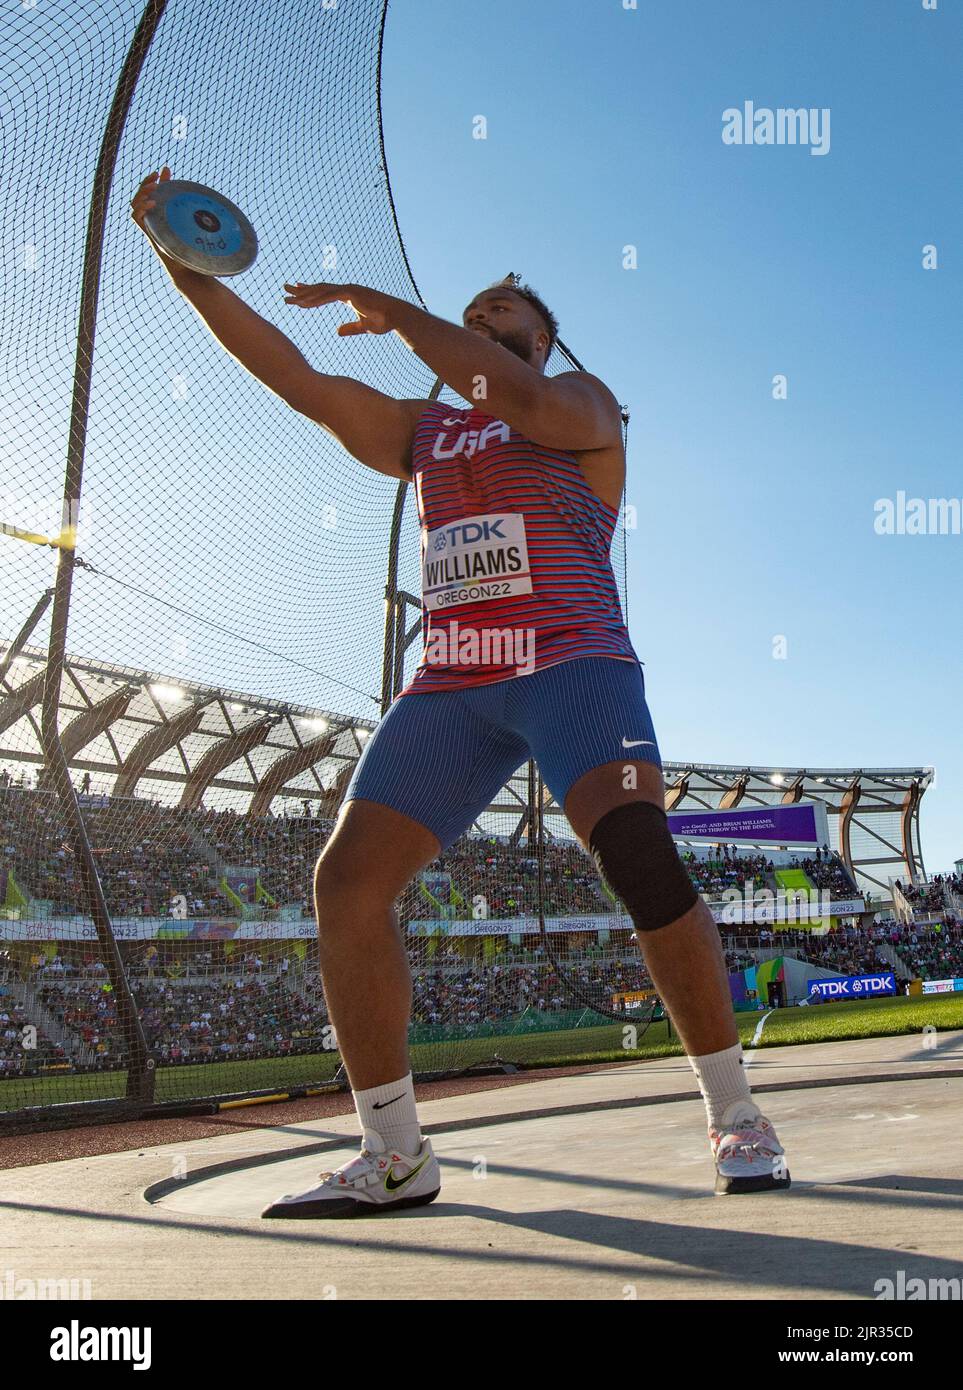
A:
<point x="748" y="1156"/>
<point x="371" y="1182"/>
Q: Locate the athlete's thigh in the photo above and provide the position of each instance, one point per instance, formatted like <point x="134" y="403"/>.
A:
<point x="437" y="760"/>
<point x="601" y="789"/>
<point x="593" y="738"/>
<point x="373" y="851"/>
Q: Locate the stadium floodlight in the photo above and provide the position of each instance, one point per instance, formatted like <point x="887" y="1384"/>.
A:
<point x="168" y="692"/>
<point x="777" y="779"/>
<point x="362" y="733"/>
<point x="318" y="724"/>
<point x="235" y="709"/>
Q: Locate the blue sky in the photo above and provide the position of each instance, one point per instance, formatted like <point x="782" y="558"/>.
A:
<point x="755" y="516"/>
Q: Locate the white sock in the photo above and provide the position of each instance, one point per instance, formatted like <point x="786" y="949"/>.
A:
<point x="722" y="1080"/>
<point x="388" y="1117"/>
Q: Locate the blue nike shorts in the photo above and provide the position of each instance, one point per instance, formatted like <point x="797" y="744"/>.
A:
<point x="441" y="756"/>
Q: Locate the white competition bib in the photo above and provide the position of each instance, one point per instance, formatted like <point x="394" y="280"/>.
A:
<point x="475" y="559"/>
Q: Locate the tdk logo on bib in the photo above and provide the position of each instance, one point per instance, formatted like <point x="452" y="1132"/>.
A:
<point x="474" y="560"/>
<point x="467" y="531"/>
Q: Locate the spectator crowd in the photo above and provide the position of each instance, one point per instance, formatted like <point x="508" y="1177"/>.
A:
<point x="202" y="1004"/>
<point x="157" y="861"/>
<point x="932" y="896"/>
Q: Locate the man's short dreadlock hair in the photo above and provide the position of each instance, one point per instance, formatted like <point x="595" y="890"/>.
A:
<point x="526" y="292"/>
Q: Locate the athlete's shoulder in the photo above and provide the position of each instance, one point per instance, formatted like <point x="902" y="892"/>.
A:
<point x="576" y="411"/>
<point x="587" y="382"/>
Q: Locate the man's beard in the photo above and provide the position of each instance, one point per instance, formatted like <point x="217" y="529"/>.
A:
<point x="520" y="341"/>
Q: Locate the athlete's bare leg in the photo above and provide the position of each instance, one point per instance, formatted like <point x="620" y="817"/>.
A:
<point x="685" y="958"/>
<point x="372" y="854"/>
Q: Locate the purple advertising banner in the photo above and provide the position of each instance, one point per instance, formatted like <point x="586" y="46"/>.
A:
<point x="802" y="824"/>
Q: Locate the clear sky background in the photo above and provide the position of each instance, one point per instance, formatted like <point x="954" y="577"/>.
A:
<point x="755" y="516"/>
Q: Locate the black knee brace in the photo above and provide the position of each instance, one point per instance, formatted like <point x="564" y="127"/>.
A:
<point x="636" y="856"/>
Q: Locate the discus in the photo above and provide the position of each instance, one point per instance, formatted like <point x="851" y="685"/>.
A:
<point x="200" y="228"/>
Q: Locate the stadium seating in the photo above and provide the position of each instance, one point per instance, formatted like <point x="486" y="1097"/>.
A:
<point x="206" y="1001"/>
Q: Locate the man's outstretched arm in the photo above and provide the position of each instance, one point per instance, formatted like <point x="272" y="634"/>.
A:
<point x="571" y="411"/>
<point x="375" y="428"/>
<point x="264" y="350"/>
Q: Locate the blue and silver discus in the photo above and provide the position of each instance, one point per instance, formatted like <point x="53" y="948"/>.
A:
<point x="200" y="228"/>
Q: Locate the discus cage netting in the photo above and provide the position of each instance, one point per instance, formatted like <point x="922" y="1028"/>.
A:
<point x="205" y="602"/>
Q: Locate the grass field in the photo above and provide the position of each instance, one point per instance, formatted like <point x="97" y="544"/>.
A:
<point x="567" y="1047"/>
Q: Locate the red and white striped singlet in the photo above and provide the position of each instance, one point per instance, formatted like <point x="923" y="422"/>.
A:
<point x="513" y="540"/>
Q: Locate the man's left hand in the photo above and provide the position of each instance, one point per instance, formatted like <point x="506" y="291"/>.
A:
<point x="376" y="311"/>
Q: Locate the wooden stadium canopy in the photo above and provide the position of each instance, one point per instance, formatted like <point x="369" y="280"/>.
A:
<point x="140" y="734"/>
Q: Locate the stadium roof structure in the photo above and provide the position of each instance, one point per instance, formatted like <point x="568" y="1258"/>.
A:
<point x="873" y="813"/>
<point x="141" y="734"/>
<point x="173" y="741"/>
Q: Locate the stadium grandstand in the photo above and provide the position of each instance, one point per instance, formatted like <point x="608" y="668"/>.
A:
<point x="135" y="734"/>
<point x="211" y="909"/>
